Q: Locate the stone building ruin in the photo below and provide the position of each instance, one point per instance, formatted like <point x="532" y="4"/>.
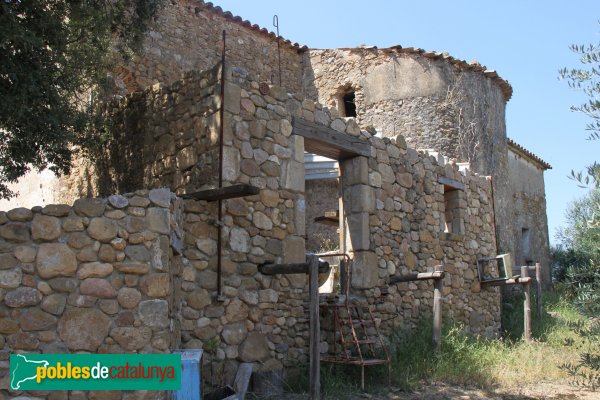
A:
<point x="408" y="147"/>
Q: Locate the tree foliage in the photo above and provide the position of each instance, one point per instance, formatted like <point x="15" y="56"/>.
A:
<point x="587" y="80"/>
<point x="54" y="57"/>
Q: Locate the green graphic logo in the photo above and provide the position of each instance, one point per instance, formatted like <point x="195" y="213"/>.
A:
<point x="95" y="371"/>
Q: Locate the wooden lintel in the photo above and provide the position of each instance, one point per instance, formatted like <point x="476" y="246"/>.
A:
<point x="299" y="268"/>
<point x="227" y="192"/>
<point x="454" y="184"/>
<point x="421" y="276"/>
<point x="324" y="141"/>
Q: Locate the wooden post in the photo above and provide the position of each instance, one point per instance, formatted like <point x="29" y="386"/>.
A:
<point x="437" y="312"/>
<point x="526" y="304"/>
<point x="538" y="291"/>
<point x="315" y="330"/>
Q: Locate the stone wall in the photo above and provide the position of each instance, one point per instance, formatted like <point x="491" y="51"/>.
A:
<point x="433" y="100"/>
<point x="97" y="276"/>
<point x="117" y="267"/>
<point x="530" y="224"/>
<point x="187" y="36"/>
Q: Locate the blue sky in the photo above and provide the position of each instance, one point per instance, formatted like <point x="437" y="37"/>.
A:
<point x="526" y="42"/>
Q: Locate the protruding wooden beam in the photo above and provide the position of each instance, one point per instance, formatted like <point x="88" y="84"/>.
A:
<point x="421" y="276"/>
<point x="518" y="280"/>
<point x="322" y="140"/>
<point x="227" y="192"/>
<point x="453" y="183"/>
<point x="299" y="268"/>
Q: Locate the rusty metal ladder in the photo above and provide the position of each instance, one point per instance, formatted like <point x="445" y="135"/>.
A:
<point x="356" y="337"/>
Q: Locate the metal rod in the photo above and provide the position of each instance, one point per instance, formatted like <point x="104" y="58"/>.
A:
<point x="276" y="25"/>
<point x="220" y="202"/>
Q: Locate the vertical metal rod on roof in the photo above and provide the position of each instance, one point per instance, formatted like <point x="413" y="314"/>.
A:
<point x="276" y="25"/>
<point x="220" y="205"/>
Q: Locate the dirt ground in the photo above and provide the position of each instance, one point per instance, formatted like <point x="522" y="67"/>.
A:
<point x="549" y="391"/>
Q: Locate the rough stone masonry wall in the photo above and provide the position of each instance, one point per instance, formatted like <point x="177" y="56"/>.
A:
<point x="164" y="136"/>
<point x="529" y="197"/>
<point x="394" y="210"/>
<point x="433" y="103"/>
<point x="187" y="35"/>
<point x="393" y="206"/>
<point x="95" y="277"/>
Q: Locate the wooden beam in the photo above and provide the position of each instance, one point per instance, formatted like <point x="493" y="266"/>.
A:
<point x="421" y="276"/>
<point x="451" y="182"/>
<point x="437" y="314"/>
<point x="300" y="268"/>
<point x="518" y="280"/>
<point x="526" y="305"/>
<point x="227" y="192"/>
<point x="315" y="329"/>
<point x="324" y="141"/>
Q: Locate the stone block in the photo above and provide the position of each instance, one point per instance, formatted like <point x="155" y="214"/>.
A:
<point x="154" y="313"/>
<point x="232" y="98"/>
<point x="293" y="250"/>
<point x="10" y="278"/>
<point x="292" y="175"/>
<point x="55" y="259"/>
<point x="102" y="229"/>
<point x="83" y="328"/>
<point x="364" y="270"/>
<point x="357" y="232"/>
<point x="361" y="198"/>
<point x="158" y="220"/>
<point x="254" y="348"/>
<point x="231" y="164"/>
<point x="45" y="227"/>
<point x="355" y="171"/>
<point x="88" y="207"/>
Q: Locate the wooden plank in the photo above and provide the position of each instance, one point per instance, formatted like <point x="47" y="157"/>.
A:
<point x="315" y="330"/>
<point x="421" y="276"/>
<point x="451" y="182"/>
<point x="437" y="314"/>
<point x="227" y="192"/>
<point x="526" y="305"/>
<point x="299" y="268"/>
<point x="324" y="141"/>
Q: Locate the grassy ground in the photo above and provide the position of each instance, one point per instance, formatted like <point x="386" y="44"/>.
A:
<point x="475" y="362"/>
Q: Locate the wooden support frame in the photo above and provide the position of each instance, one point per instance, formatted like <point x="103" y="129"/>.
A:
<point x="322" y="140"/>
<point x="438" y="277"/>
<point x="313" y="266"/>
<point x="526" y="304"/>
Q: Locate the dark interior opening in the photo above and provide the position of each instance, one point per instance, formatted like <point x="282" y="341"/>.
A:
<point x="349" y="105"/>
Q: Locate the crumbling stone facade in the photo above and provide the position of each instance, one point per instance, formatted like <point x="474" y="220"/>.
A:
<point x="402" y="209"/>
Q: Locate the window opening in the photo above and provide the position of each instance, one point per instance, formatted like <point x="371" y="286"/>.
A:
<point x="349" y="104"/>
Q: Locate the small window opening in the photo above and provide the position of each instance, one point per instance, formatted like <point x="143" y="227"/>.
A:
<point x="526" y="246"/>
<point x="349" y="104"/>
<point x="453" y="217"/>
